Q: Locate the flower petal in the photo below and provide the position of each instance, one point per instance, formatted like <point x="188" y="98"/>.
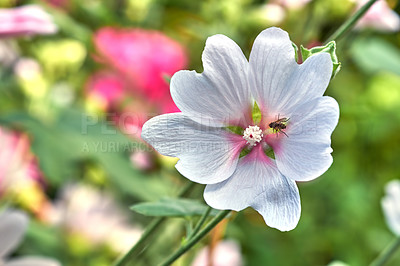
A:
<point x="12" y="228"/>
<point x="221" y="92"/>
<point x="207" y="154"/>
<point x="391" y="206"/>
<point x="32" y="261"/>
<point x="25" y="20"/>
<point x="306" y="153"/>
<point x="258" y="183"/>
<point x="278" y="82"/>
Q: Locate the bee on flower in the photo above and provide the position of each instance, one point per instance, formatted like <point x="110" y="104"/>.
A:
<point x="279" y="125"/>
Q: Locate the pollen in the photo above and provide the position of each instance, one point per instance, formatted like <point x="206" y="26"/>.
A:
<point x="253" y="135"/>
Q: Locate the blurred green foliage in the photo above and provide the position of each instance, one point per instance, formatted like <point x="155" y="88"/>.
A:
<point x="341" y="216"/>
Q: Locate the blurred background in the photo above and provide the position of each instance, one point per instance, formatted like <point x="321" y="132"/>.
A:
<point x="79" y="78"/>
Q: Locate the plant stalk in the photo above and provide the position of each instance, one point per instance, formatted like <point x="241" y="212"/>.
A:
<point x="149" y="232"/>
<point x="349" y="24"/>
<point x="387" y="253"/>
<point x="196" y="238"/>
<point x="201" y="222"/>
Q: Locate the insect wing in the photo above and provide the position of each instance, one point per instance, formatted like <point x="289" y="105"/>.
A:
<point x="282" y="120"/>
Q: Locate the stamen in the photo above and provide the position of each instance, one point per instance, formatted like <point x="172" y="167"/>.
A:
<point x="253" y="135"/>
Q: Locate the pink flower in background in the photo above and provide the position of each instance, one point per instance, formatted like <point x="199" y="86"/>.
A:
<point x="140" y="60"/>
<point x="94" y="214"/>
<point x="25" y="20"/>
<point x="292" y="4"/>
<point x="105" y="88"/>
<point x="379" y="17"/>
<point x="20" y="177"/>
<point x="141" y="160"/>
<point x="144" y="58"/>
<point x="18" y="167"/>
<point x="58" y="3"/>
<point x="226" y="253"/>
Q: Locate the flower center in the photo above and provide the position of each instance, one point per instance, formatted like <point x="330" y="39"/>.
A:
<point x="253" y="135"/>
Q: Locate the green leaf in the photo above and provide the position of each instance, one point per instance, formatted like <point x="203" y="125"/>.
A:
<point x="328" y="48"/>
<point x="71" y="27"/>
<point x="172" y="208"/>
<point x="375" y="55"/>
<point x="41" y="239"/>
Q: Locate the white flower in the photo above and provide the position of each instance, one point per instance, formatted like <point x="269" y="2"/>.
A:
<point x="223" y="95"/>
<point x="225" y="253"/>
<point x="13" y="225"/>
<point x="391" y="206"/>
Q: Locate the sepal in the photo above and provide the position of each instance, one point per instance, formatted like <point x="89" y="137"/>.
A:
<point x="329" y="48"/>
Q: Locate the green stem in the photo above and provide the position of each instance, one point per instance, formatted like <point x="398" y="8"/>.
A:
<point x="192" y="241"/>
<point x="150" y="230"/>
<point x="387" y="253"/>
<point x="348" y="25"/>
<point x="201" y="222"/>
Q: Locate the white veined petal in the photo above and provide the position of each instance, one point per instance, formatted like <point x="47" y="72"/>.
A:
<point x="221" y="92"/>
<point x="391" y="206"/>
<point x="207" y="154"/>
<point x="32" y="261"/>
<point x="12" y="228"/>
<point x="278" y="82"/>
<point x="306" y="153"/>
<point x="307" y="82"/>
<point x="258" y="183"/>
<point x="272" y="60"/>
